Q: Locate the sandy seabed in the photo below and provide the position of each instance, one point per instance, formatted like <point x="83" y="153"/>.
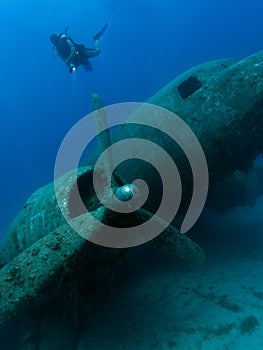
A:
<point x="159" y="303"/>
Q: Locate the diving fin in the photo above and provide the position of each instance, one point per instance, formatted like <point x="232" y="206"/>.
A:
<point x="88" y="67"/>
<point x="99" y="34"/>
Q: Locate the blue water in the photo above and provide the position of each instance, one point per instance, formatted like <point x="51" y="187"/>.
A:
<point x="148" y="43"/>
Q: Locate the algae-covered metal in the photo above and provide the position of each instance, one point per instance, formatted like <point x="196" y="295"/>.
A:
<point x="222" y="101"/>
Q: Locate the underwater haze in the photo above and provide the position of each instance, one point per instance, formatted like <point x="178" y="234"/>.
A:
<point x="147" y="44"/>
<point x="151" y="301"/>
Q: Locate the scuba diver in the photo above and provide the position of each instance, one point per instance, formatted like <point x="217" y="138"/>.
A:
<point x="74" y="54"/>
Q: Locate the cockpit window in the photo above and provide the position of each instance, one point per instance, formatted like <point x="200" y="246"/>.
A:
<point x="189" y="86"/>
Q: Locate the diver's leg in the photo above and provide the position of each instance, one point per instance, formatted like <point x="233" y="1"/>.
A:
<point x="96" y="51"/>
<point x="93" y="52"/>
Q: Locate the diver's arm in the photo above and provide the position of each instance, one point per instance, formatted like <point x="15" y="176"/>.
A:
<point x="73" y="53"/>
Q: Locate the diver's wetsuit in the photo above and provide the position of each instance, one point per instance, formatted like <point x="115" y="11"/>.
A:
<point x="74" y="54"/>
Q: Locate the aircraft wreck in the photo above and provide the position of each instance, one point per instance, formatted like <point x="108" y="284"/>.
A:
<point x="222" y="102"/>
